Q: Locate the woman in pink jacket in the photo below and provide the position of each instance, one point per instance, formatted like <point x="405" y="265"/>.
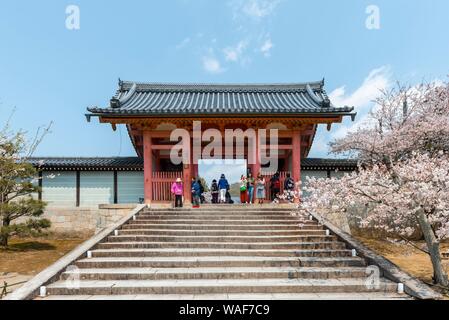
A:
<point x="177" y="190"/>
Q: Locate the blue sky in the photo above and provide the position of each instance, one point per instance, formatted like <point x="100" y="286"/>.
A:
<point x="50" y="73"/>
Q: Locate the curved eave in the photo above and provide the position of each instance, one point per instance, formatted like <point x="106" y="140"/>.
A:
<point x="82" y="168"/>
<point x="331" y="168"/>
<point x="218" y="87"/>
<point x="331" y="112"/>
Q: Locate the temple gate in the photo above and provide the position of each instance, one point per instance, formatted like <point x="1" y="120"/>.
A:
<point x="151" y="113"/>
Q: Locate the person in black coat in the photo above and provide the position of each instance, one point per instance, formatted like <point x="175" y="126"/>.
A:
<point x="202" y="199"/>
<point x="214" y="191"/>
<point x="289" y="187"/>
<point x="275" y="186"/>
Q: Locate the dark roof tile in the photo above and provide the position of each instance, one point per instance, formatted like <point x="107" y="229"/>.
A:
<point x="176" y="99"/>
<point x="135" y="163"/>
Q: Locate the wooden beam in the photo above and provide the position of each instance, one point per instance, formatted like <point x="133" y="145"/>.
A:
<point x="115" y="187"/>
<point x="279" y="147"/>
<point x="308" y="132"/>
<point x="293" y="120"/>
<point x="78" y="188"/>
<point x="158" y="134"/>
<point x="162" y="146"/>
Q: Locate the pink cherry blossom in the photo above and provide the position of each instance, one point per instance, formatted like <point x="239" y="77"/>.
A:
<point x="402" y="182"/>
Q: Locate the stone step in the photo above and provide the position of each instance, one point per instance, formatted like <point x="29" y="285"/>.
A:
<point x="148" y="238"/>
<point x="348" y="296"/>
<point x="222" y="245"/>
<point x="222" y="261"/>
<point x="213" y="273"/>
<point x="176" y="226"/>
<point x="218" y="221"/>
<point x="218" y="216"/>
<point x="218" y="252"/>
<point x="215" y="212"/>
<point x="214" y="286"/>
<point x="224" y="208"/>
<point x="214" y="232"/>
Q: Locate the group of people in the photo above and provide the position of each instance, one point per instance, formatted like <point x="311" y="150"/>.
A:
<point x="249" y="184"/>
<point x="220" y="190"/>
<point x="249" y="187"/>
<point x="197" y="190"/>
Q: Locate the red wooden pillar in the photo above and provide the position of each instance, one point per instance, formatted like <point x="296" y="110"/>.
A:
<point x="296" y="155"/>
<point x="195" y="170"/>
<point x="187" y="178"/>
<point x="157" y="163"/>
<point x="147" y="167"/>
<point x="256" y="165"/>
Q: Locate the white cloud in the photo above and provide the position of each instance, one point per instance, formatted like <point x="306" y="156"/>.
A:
<point x="266" y="47"/>
<point x="259" y="8"/>
<point x="212" y="65"/>
<point x="377" y="80"/>
<point x="183" y="43"/>
<point x="251" y="22"/>
<point x="234" y="54"/>
<point x="362" y="99"/>
<point x="320" y="146"/>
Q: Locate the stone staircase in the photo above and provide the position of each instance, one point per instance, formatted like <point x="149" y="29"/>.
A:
<point x="220" y="252"/>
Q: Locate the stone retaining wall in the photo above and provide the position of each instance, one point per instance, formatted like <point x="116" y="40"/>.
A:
<point x="84" y="222"/>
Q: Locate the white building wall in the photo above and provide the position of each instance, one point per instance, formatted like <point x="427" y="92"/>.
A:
<point x="96" y="188"/>
<point x="130" y="186"/>
<point x="59" y="188"/>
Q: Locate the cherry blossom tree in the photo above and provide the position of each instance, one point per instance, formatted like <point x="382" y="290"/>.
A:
<point x="403" y="175"/>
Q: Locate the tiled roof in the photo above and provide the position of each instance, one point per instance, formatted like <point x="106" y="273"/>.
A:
<point x="328" y="164"/>
<point x="155" y="99"/>
<point x="113" y="163"/>
<point x="135" y="163"/>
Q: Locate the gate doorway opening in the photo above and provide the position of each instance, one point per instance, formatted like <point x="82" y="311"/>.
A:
<point x="233" y="169"/>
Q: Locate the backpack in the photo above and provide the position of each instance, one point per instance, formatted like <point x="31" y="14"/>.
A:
<point x="290" y="184"/>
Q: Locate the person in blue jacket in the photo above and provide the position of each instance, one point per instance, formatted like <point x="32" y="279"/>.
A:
<point x="223" y="185"/>
<point x="196" y="192"/>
